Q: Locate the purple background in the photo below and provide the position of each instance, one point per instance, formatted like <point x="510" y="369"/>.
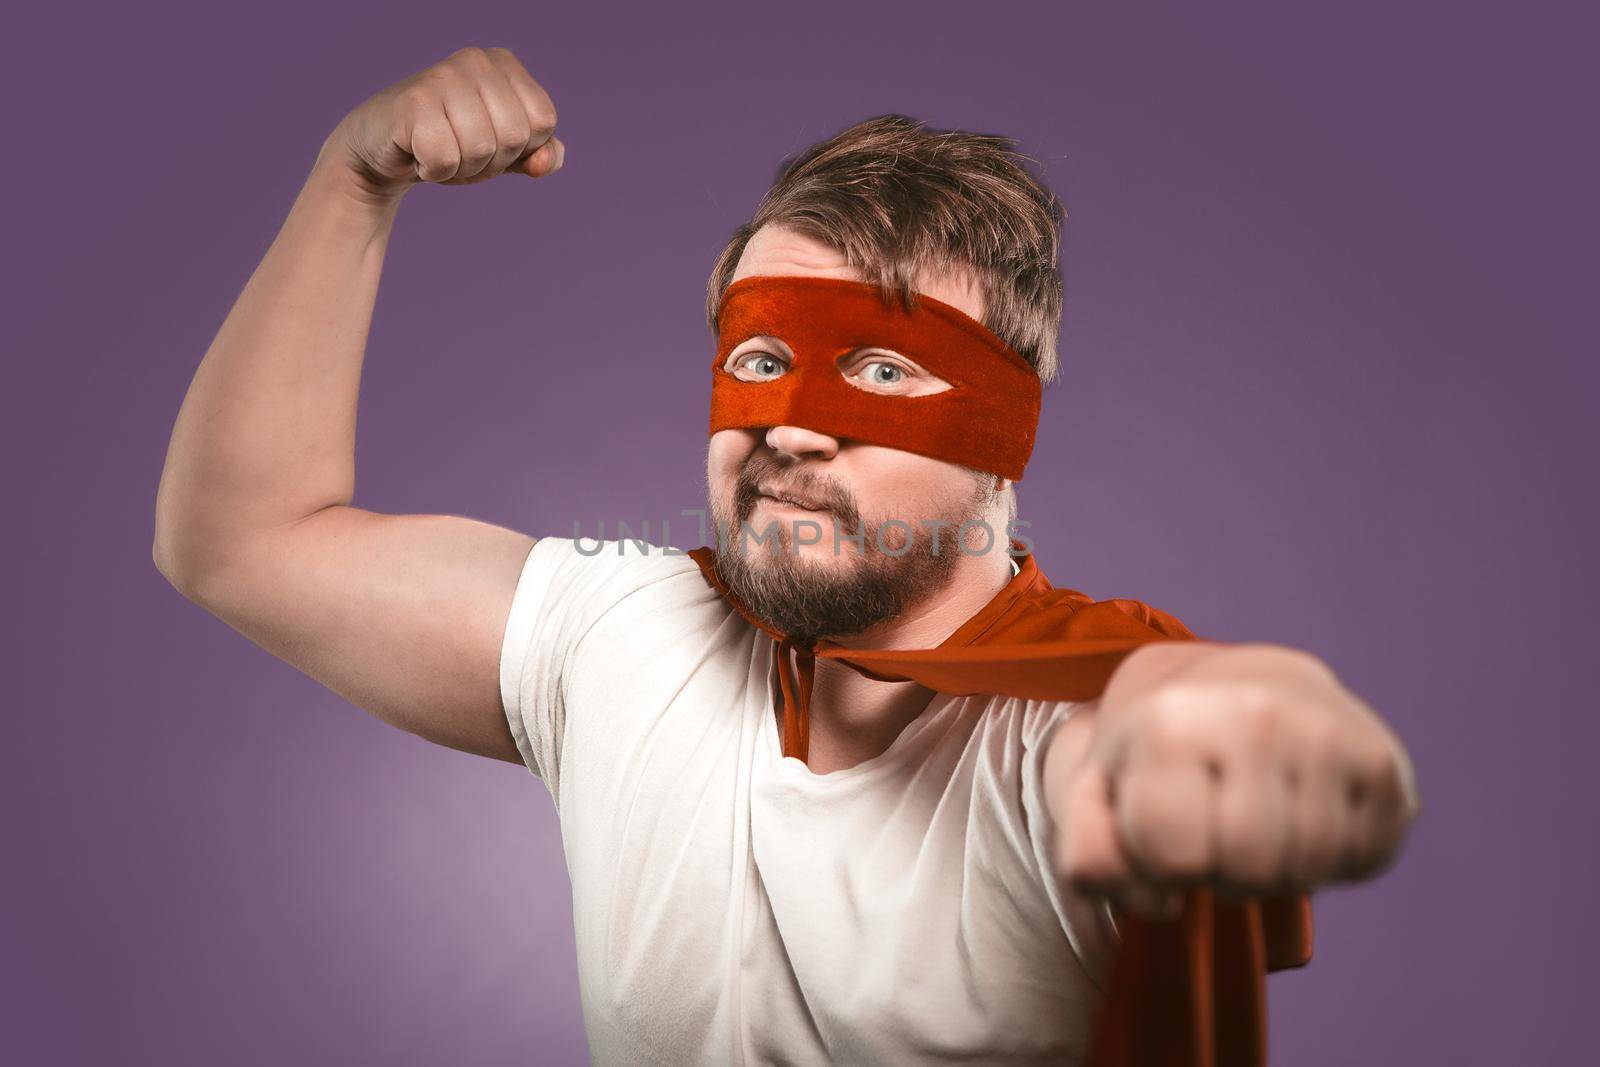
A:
<point x="1325" y="383"/>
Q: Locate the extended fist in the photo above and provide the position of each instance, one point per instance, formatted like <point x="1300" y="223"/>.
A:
<point x="475" y="115"/>
<point x="1248" y="768"/>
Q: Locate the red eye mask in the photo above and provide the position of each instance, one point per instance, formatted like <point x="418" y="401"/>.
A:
<point x="985" y="420"/>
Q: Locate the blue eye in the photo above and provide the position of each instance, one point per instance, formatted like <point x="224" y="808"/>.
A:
<point x="889" y="375"/>
<point x="884" y="373"/>
<point x="762" y="363"/>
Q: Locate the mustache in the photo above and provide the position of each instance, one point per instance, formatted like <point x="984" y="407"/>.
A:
<point x="832" y="498"/>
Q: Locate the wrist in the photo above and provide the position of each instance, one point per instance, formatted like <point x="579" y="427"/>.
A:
<point x="1066" y="748"/>
<point x="335" y="176"/>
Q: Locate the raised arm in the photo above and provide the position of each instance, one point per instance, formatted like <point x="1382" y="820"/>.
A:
<point x="401" y="614"/>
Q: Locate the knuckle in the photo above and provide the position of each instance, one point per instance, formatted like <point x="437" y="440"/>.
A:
<point x="1371" y="773"/>
<point x="1164" y="838"/>
<point x="1184" y="741"/>
<point x="1176" y="724"/>
<point x="1318" y="739"/>
<point x="1376" y="761"/>
<point x="1176" y="697"/>
<point x="416" y="97"/>
<point x="437" y="163"/>
<point x="541" y="123"/>
<point x="1256" y="723"/>
<point x="438" y="74"/>
<point x="506" y="62"/>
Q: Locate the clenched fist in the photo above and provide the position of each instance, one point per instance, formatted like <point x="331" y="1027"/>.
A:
<point x="1248" y="768"/>
<point x="475" y="115"/>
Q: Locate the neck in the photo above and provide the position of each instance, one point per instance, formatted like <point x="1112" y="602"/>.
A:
<point x="855" y="718"/>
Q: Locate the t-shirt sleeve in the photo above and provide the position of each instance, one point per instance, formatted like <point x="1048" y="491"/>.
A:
<point x="1087" y="922"/>
<point x="565" y="587"/>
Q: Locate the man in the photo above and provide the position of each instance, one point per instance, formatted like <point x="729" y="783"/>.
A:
<point x="929" y="881"/>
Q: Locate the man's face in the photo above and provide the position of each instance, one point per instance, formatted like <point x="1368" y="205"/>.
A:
<point x="804" y="491"/>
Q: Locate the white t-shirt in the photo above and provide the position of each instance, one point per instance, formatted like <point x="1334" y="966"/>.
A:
<point x="733" y="907"/>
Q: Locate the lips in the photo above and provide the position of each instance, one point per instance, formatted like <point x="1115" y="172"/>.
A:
<point x="798" y="500"/>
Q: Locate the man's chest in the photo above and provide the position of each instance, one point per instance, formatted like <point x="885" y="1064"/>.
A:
<point x="899" y="915"/>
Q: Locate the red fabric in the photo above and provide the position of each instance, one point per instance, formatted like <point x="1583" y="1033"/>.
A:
<point x="1184" y="994"/>
<point x="985" y="420"/>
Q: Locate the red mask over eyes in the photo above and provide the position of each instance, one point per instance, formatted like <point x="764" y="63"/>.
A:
<point x="985" y="420"/>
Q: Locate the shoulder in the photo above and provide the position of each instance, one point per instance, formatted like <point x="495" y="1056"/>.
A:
<point x="609" y="565"/>
<point x="1011" y="736"/>
<point x="628" y="586"/>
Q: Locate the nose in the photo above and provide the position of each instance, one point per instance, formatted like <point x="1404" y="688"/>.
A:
<point x="798" y="441"/>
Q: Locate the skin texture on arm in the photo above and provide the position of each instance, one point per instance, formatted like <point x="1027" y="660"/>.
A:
<point x="401" y="614"/>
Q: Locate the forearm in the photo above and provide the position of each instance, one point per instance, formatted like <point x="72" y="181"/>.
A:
<point x="266" y="432"/>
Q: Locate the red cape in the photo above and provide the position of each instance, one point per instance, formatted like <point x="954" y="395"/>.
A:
<point x="1189" y="993"/>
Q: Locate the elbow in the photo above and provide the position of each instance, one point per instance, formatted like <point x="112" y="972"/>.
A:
<point x="170" y="568"/>
<point x="166" y="543"/>
<point x="179" y="557"/>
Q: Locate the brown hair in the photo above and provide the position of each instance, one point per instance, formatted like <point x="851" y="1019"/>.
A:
<point x="898" y="198"/>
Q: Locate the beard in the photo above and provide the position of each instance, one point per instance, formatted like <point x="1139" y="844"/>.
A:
<point x="894" y="565"/>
